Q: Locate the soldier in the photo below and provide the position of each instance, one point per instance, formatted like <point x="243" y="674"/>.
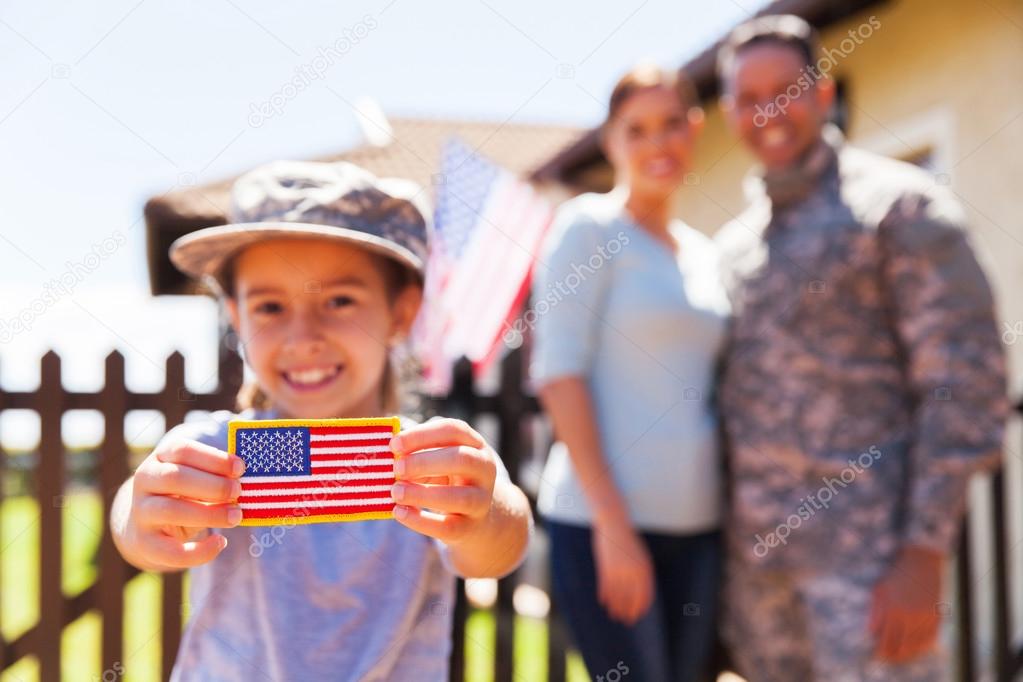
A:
<point x="864" y="383"/>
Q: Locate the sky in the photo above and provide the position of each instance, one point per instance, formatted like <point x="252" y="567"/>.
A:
<point x="103" y="105"/>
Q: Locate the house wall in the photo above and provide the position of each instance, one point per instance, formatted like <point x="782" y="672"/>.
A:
<point x="942" y="76"/>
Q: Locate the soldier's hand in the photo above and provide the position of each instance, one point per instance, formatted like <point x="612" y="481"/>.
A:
<point x="905" y="616"/>
<point x="625" y="572"/>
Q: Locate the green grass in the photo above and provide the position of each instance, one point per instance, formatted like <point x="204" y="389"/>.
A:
<point x="530" y="654"/>
<point x="19" y="593"/>
<point x="80" y="653"/>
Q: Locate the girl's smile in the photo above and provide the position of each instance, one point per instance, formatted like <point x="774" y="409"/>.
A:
<point x="312" y="378"/>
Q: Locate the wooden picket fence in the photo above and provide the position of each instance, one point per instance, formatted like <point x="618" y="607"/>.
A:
<point x="106" y="595"/>
<point x="511" y="406"/>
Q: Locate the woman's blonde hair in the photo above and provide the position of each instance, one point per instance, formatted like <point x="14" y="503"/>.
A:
<point x="397" y="373"/>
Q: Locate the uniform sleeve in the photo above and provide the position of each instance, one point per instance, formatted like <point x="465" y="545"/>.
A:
<point x="567" y="303"/>
<point x="945" y="320"/>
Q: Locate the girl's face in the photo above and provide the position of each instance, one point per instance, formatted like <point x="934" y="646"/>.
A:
<point x="649" y="141"/>
<point x="316" y="321"/>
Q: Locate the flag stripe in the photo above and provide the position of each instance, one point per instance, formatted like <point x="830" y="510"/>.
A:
<point x="504" y="220"/>
<point x="319" y="463"/>
<point x="305" y="499"/>
<point x="526" y="218"/>
<point x="321" y="511"/>
<point x="376" y="458"/>
<point x="290" y="484"/>
<point x="321" y="450"/>
<point x="316" y="504"/>
<point x="321" y="490"/>
<point x="368" y="456"/>
<point x="354" y="476"/>
<point x="337" y="441"/>
<point x="488" y="296"/>
<point x="376" y="469"/>
<point x="501" y="217"/>
<point x="528" y="229"/>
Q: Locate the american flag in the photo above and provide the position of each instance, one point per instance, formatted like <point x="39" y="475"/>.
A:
<point x="310" y="471"/>
<point x="488" y="229"/>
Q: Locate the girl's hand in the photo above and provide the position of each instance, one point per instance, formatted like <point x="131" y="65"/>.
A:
<point x="625" y="572"/>
<point x="446" y="474"/>
<point x="180" y="491"/>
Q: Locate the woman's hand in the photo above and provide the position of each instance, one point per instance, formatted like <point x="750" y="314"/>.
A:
<point x="625" y="573"/>
<point x="180" y="491"/>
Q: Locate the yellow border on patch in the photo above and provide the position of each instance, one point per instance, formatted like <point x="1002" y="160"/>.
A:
<point x="234" y="425"/>
<point x="322" y="518"/>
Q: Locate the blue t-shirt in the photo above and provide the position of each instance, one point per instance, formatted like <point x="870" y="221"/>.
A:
<point x="644" y="327"/>
<point x="370" y="600"/>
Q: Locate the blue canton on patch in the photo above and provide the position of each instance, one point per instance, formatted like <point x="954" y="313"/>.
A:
<point x="274" y="451"/>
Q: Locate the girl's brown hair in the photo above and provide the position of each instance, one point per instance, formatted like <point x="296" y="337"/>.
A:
<point x="396" y="278"/>
<point x="651" y="76"/>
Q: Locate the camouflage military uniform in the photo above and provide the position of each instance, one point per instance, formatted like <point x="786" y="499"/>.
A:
<point x="864" y="383"/>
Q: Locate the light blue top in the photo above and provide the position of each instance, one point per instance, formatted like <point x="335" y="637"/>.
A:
<point x="368" y="600"/>
<point x="615" y="306"/>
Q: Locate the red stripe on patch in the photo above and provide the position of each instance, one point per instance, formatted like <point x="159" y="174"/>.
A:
<point x="349" y="443"/>
<point x="314" y="512"/>
<point x="298" y="500"/>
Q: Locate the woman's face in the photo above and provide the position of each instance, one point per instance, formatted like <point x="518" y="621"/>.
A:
<point x="649" y="141"/>
<point x="316" y="323"/>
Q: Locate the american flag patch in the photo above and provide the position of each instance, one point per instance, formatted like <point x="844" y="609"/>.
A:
<point x="314" y="470"/>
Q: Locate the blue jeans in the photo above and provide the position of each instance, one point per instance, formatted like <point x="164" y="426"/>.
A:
<point x="674" y="640"/>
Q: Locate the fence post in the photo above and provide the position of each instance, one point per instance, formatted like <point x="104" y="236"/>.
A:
<point x="230" y="369"/>
<point x="509" y="418"/>
<point x="964" y="605"/>
<point x="556" y="644"/>
<point x="113" y="472"/>
<point x="1002" y="633"/>
<point x="459" y="403"/>
<point x="50" y="497"/>
<point x="174" y="403"/>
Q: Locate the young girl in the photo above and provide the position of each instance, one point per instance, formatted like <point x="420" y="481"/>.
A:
<point x="321" y="276"/>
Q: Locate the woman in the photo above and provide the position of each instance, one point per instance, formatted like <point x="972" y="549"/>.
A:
<point x="624" y="364"/>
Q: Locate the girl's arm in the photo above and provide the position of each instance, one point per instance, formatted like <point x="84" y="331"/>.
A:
<point x="498" y="544"/>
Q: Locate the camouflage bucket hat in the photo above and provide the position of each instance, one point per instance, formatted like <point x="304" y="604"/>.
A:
<point x="308" y="199"/>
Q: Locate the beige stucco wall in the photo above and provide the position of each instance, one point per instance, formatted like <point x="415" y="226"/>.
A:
<point x="936" y="73"/>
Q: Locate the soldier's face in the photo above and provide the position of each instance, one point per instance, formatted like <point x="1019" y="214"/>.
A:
<point x="649" y="142"/>
<point x="775" y="103"/>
